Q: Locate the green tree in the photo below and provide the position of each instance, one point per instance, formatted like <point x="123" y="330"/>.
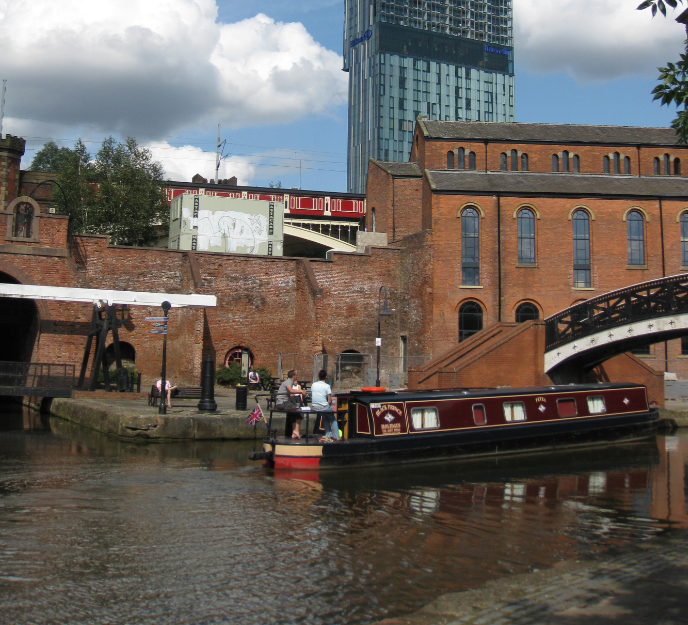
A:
<point x="120" y="192"/>
<point x="673" y="79"/>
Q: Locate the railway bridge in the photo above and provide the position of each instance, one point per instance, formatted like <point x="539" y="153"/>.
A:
<point x="585" y="335"/>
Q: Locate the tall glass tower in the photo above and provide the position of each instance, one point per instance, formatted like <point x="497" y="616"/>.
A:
<point x="447" y="59"/>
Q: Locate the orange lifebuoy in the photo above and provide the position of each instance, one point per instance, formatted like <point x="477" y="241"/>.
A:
<point x="373" y="389"/>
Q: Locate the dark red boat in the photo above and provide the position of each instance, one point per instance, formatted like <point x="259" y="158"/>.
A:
<point x="410" y="426"/>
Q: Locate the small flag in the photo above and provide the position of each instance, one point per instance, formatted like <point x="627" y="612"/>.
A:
<point x="255" y="416"/>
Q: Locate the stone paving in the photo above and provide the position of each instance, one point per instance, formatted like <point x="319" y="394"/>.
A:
<point x="646" y="584"/>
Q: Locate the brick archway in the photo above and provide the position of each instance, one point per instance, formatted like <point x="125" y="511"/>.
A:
<point x="23" y="278"/>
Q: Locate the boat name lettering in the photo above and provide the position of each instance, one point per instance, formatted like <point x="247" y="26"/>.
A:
<point x="387" y="408"/>
<point x="541" y="399"/>
<point x="391" y="428"/>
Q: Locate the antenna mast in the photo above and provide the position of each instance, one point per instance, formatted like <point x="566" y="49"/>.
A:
<point x="217" y="154"/>
<point x="2" y="104"/>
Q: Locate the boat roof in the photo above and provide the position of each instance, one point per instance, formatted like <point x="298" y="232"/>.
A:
<point x="367" y="397"/>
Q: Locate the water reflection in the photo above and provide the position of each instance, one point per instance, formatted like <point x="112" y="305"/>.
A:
<point x="92" y="529"/>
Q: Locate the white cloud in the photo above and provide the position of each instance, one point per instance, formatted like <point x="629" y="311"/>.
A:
<point x="594" y="39"/>
<point x="182" y="163"/>
<point x="147" y="68"/>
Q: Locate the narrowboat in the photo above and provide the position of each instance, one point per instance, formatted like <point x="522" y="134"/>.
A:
<point x="391" y="427"/>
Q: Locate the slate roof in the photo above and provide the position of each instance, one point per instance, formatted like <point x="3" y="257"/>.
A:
<point x="507" y="183"/>
<point x="400" y="170"/>
<point x="548" y="133"/>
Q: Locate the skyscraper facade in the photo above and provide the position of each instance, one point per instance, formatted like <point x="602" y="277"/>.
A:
<point x="447" y="59"/>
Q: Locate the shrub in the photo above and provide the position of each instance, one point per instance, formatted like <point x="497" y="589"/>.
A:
<point x="112" y="374"/>
<point x="265" y="375"/>
<point x="228" y="375"/>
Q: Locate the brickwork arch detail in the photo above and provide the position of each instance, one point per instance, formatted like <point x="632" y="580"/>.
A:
<point x="678" y="215"/>
<point x="528" y="300"/>
<point x="471" y="205"/>
<point x="23" y="278"/>
<point x="521" y="207"/>
<point x="473" y="300"/>
<point x="638" y="209"/>
<point x="582" y="207"/>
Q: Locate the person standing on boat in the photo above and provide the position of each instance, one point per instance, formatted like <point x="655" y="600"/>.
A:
<point x="321" y="401"/>
<point x="289" y="398"/>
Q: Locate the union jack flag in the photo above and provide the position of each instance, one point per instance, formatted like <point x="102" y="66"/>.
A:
<point x="255" y="416"/>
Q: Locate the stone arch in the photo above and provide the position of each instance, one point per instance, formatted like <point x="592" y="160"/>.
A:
<point x="640" y="210"/>
<point x="471" y="205"/>
<point x="582" y="207"/>
<point x="521" y="207"/>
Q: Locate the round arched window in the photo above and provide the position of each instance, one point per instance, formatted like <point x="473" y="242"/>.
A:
<point x="234" y="355"/>
<point x="470" y="320"/>
<point x="526" y="312"/>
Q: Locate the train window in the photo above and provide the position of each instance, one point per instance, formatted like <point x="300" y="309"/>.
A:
<point x="596" y="405"/>
<point x="424" y="418"/>
<point x="479" y="417"/>
<point x="514" y="411"/>
<point x="567" y="407"/>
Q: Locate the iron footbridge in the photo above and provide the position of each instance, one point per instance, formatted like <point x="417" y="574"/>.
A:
<point x="587" y="334"/>
<point x="36" y="379"/>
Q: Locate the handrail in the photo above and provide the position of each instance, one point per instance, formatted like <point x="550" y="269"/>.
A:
<point x="36" y="375"/>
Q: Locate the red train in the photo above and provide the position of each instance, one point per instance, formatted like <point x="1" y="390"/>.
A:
<point x="296" y="201"/>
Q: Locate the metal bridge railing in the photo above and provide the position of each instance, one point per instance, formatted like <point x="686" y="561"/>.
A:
<point x="36" y="375"/>
<point x="648" y="300"/>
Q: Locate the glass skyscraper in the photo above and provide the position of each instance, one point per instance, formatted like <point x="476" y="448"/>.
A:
<point x="447" y="59"/>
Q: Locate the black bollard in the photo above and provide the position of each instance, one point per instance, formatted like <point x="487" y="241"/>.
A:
<point x="207" y="403"/>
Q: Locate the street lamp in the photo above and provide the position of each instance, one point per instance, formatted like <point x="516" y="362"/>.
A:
<point x="378" y="341"/>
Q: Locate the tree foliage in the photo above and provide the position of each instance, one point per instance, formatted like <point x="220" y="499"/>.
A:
<point x="120" y="192"/>
<point x="658" y="4"/>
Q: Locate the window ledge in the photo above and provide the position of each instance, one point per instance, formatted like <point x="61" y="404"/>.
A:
<point x="636" y="267"/>
<point x="683" y="269"/>
<point x="527" y="265"/>
<point x="684" y="356"/>
<point x="466" y="286"/>
<point x="583" y="288"/>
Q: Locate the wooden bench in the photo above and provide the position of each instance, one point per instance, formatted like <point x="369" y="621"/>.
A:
<point x="181" y="392"/>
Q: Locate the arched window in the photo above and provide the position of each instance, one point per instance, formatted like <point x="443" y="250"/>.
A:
<point x="470" y="247"/>
<point x="684" y="240"/>
<point x="23" y="220"/>
<point x="576" y="163"/>
<point x="677" y="167"/>
<point x="617" y="163"/>
<point x="514" y="160"/>
<point x="656" y="166"/>
<point x="666" y="165"/>
<point x="605" y="165"/>
<point x="627" y="165"/>
<point x="526" y="312"/>
<point x="450" y="159"/>
<point x="502" y="161"/>
<point x="526" y="236"/>
<point x="461" y="158"/>
<point x="471" y="160"/>
<point x="564" y="161"/>
<point x="524" y="162"/>
<point x="234" y="355"/>
<point x="470" y="320"/>
<point x="372" y="217"/>
<point x="636" y="238"/>
<point x="126" y="352"/>
<point x="581" y="249"/>
<point x="555" y="162"/>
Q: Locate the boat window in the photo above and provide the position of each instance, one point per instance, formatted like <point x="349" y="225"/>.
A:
<point x="596" y="405"/>
<point x="514" y="411"/>
<point x="479" y="417"/>
<point x="567" y="407"/>
<point x="424" y="418"/>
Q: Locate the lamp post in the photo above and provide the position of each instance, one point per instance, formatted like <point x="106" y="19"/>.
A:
<point x="378" y="341"/>
<point x="162" y="409"/>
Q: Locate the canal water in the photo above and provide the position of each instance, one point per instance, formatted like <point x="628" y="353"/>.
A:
<point x="93" y="530"/>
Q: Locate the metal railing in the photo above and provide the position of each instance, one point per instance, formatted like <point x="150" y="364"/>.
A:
<point x="36" y="375"/>
<point x="648" y="300"/>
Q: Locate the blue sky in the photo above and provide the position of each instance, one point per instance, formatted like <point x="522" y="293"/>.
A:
<point x="168" y="71"/>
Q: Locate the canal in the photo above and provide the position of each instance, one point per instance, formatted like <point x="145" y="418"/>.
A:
<point x="93" y="530"/>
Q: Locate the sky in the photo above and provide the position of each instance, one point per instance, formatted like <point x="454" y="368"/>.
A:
<point x="167" y="72"/>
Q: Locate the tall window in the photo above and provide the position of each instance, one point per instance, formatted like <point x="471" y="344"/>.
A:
<point x="524" y="162"/>
<point x="23" y="220"/>
<point x="627" y="165"/>
<point x="677" y="167"/>
<point x="526" y="312"/>
<point x="581" y="249"/>
<point x="470" y="320"/>
<point x="555" y="162"/>
<point x="372" y="216"/>
<point x="666" y="165"/>
<point x="684" y="240"/>
<point x="471" y="160"/>
<point x="450" y="160"/>
<point x="470" y="247"/>
<point x="605" y="165"/>
<point x="502" y="161"/>
<point x="636" y="238"/>
<point x="461" y="158"/>
<point x="617" y="163"/>
<point x="526" y="236"/>
<point x="565" y="161"/>
<point x="655" y="165"/>
<point x="514" y="160"/>
<point x="576" y="163"/>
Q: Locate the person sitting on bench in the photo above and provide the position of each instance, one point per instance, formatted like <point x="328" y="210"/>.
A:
<point x="168" y="387"/>
<point x="321" y="402"/>
<point x="290" y="398"/>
